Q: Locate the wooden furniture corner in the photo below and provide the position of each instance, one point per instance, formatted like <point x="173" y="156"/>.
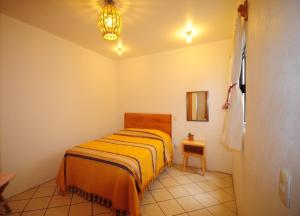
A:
<point x="4" y="181"/>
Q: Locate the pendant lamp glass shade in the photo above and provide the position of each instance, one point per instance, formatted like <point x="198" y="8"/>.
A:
<point x="110" y="22"/>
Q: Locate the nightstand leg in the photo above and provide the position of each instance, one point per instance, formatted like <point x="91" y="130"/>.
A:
<point x="5" y="204"/>
<point x="203" y="165"/>
<point x="187" y="161"/>
<point x="183" y="163"/>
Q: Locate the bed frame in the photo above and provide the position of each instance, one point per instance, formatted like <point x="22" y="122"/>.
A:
<point x="161" y="122"/>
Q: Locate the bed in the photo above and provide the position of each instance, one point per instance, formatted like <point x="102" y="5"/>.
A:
<point x="116" y="170"/>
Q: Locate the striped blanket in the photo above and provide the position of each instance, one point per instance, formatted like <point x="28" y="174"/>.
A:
<point x="116" y="170"/>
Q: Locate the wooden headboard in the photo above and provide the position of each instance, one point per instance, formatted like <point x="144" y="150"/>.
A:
<point x="161" y="122"/>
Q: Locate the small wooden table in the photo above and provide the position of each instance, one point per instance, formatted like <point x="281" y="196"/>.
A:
<point x="4" y="180"/>
<point x="195" y="148"/>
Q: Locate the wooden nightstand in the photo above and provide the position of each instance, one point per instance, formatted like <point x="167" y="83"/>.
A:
<point x="4" y="180"/>
<point x="194" y="148"/>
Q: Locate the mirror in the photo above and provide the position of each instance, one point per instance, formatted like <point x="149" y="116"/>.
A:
<point x="197" y="106"/>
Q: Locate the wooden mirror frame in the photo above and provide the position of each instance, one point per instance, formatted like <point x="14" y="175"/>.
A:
<point x="188" y="108"/>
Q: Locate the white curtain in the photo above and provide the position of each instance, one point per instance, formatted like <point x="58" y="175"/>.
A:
<point x="233" y="126"/>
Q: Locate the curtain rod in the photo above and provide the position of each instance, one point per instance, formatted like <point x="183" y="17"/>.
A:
<point x="243" y="10"/>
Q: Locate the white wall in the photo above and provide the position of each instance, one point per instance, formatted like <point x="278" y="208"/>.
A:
<point x="272" y="139"/>
<point x="158" y="84"/>
<point x="54" y="94"/>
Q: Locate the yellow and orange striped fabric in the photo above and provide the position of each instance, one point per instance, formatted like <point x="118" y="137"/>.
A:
<point x="116" y="169"/>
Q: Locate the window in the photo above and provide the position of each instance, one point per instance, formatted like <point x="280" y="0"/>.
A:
<point x="242" y="82"/>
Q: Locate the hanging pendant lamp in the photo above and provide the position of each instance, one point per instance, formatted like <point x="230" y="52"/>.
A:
<point x="110" y="22"/>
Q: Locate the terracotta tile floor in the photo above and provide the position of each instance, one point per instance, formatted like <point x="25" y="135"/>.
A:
<point x="174" y="193"/>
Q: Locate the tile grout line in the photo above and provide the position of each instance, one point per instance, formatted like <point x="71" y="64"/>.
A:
<point x="69" y="209"/>
<point x="190" y="195"/>
<point x="160" y="208"/>
<point x="50" y="201"/>
<point x="157" y="203"/>
<point x="197" y="184"/>
<point x="28" y="200"/>
<point x="31" y="198"/>
<point x="180" y="206"/>
<point x="167" y="189"/>
<point x="171" y="199"/>
<point x="204" y="207"/>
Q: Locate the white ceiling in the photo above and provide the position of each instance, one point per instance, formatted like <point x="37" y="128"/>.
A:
<point x="149" y="26"/>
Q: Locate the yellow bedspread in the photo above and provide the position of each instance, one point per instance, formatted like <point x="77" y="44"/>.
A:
<point x="116" y="170"/>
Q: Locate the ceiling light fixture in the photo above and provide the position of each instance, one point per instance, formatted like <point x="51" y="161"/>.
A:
<point x="189" y="32"/>
<point x="119" y="48"/>
<point x="110" y="22"/>
<point x="189" y="36"/>
<point x="120" y="51"/>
